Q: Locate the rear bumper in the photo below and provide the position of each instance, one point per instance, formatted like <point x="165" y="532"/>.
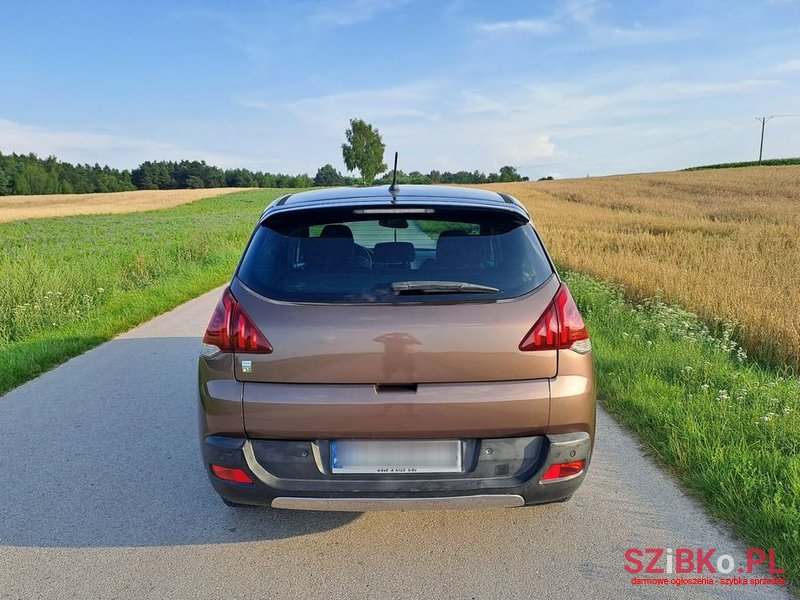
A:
<point x="499" y="472"/>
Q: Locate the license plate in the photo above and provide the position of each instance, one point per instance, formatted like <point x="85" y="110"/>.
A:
<point x="396" y="456"/>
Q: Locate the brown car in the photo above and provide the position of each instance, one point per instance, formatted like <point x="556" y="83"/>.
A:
<point x="396" y="348"/>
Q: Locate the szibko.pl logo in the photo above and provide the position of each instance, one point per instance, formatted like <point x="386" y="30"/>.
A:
<point x="698" y="566"/>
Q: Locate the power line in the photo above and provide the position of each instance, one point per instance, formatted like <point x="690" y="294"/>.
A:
<point x="763" y="120"/>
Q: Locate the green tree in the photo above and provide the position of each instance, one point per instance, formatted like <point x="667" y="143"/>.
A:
<point x="4" y="181"/>
<point x="21" y="185"/>
<point x="508" y="173"/>
<point x="364" y="150"/>
<point x="328" y="176"/>
<point x="194" y="182"/>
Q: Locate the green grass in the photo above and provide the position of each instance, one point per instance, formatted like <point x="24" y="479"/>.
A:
<point x="727" y="427"/>
<point x="772" y="162"/>
<point x="71" y="283"/>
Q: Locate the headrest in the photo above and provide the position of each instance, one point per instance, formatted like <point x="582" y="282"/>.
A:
<point x="394" y="252"/>
<point x="327" y="252"/>
<point x="336" y="231"/>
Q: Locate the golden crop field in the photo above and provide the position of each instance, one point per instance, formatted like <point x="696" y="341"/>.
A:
<point x="16" y="208"/>
<point x="724" y="243"/>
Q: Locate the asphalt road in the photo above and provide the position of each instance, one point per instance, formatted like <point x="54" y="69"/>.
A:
<point x="102" y="495"/>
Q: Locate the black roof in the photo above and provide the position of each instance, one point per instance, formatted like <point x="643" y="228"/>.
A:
<point x="403" y="194"/>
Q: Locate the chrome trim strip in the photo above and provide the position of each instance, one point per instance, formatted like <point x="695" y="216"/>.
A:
<point x="253" y="464"/>
<point x="481" y="501"/>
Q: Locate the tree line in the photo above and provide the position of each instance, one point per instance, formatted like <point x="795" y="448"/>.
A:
<point x="28" y="174"/>
<point x="22" y="174"/>
<point x="329" y="176"/>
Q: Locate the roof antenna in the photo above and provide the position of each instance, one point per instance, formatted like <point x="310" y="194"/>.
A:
<point x="393" y="187"/>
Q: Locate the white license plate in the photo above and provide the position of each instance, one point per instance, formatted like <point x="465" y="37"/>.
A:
<point x="396" y="456"/>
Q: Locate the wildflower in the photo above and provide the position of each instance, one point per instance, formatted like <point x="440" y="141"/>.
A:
<point x="786" y="410"/>
<point x="101" y="290"/>
<point x="704" y="386"/>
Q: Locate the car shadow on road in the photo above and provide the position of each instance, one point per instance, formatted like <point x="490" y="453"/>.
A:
<point x="103" y="451"/>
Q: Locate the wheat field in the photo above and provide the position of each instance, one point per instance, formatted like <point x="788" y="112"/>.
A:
<point x="723" y="243"/>
<point x="16" y="208"/>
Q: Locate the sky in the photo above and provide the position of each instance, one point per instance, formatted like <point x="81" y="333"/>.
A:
<point x="564" y="88"/>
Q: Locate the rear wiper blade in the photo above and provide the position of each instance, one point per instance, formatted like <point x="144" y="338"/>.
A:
<point x="441" y="287"/>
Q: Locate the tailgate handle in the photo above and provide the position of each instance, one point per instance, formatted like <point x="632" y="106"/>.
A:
<point x="381" y="388"/>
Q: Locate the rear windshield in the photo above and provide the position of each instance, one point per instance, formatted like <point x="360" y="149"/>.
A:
<point x="368" y="255"/>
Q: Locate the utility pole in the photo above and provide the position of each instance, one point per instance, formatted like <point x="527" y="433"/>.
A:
<point x="761" y="147"/>
<point x="763" y="121"/>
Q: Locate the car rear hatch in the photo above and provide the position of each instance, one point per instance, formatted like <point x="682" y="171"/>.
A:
<point x="395" y="344"/>
<point x="364" y="343"/>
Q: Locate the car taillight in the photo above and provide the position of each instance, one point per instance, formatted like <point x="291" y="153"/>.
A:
<point x="231" y="474"/>
<point x="563" y="471"/>
<point x="560" y="327"/>
<point x="232" y="330"/>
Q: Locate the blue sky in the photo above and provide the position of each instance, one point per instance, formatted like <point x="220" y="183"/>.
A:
<point x="564" y="88"/>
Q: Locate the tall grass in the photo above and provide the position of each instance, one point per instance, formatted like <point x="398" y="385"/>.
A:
<point x="724" y="243"/>
<point x="770" y="162"/>
<point x="729" y="429"/>
<point x="70" y="283"/>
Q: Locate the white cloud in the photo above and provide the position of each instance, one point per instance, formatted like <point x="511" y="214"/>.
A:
<point x="584" y="16"/>
<point x="788" y="66"/>
<point x="449" y="125"/>
<point x="423" y="121"/>
<point x="581" y="11"/>
<point x="677" y="90"/>
<point x="529" y="26"/>
<point x="603" y="36"/>
<point x="91" y="147"/>
<point x="442" y="124"/>
<point x="408" y="101"/>
<point x="352" y="12"/>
